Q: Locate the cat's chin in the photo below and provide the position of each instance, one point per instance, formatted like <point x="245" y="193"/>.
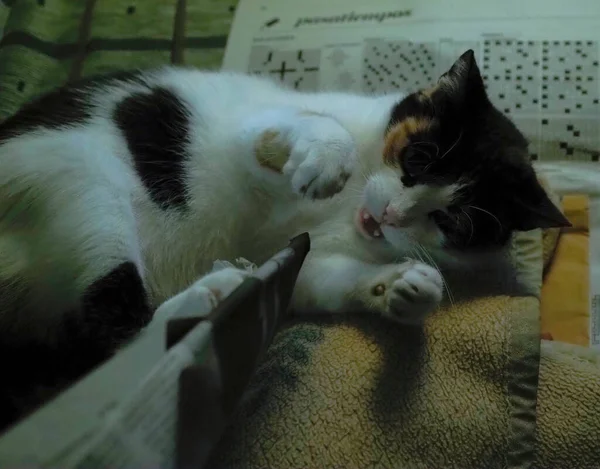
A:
<point x="367" y="226"/>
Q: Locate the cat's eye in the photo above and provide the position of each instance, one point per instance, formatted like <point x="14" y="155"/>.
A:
<point x="415" y="160"/>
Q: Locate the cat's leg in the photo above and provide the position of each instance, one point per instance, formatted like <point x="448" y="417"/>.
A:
<point x="313" y="152"/>
<point x="405" y="292"/>
<point x="203" y="295"/>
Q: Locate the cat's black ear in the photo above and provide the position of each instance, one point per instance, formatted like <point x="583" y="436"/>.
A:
<point x="463" y="82"/>
<point x="535" y="210"/>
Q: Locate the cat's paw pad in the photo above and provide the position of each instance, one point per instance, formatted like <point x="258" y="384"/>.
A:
<point x="205" y="294"/>
<point x="321" y="161"/>
<point x="415" y="291"/>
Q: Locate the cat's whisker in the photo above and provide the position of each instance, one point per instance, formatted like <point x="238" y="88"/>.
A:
<point x="349" y="198"/>
<point x="354" y="189"/>
<point x="489" y="213"/>
<point x="472" y="226"/>
<point x="363" y="168"/>
<point x="446" y="286"/>
<point x="415" y="253"/>
<point x="437" y="148"/>
<point x="422" y="152"/>
<point x="454" y="144"/>
<point x="366" y="173"/>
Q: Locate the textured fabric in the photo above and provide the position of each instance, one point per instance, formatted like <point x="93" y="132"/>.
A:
<point x="569" y="407"/>
<point x="47" y="43"/>
<point x="565" y="307"/>
<point x="360" y="393"/>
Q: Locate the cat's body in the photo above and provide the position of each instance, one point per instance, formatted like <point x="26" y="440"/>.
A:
<point x="124" y="195"/>
<point x="230" y="212"/>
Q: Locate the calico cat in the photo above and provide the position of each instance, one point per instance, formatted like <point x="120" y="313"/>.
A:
<point x="117" y="194"/>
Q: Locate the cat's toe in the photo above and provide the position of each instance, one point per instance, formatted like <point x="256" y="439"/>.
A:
<point x="195" y="301"/>
<point x="416" y="293"/>
<point x="320" y="169"/>
<point x="203" y="295"/>
<point x="222" y="282"/>
<point x="317" y="180"/>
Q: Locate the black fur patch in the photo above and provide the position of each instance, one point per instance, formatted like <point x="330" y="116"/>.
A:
<point x="472" y="143"/>
<point x="156" y="127"/>
<point x="113" y="309"/>
<point x="63" y="107"/>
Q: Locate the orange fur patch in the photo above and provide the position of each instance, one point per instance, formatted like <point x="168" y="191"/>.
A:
<point x="270" y="152"/>
<point x="398" y="136"/>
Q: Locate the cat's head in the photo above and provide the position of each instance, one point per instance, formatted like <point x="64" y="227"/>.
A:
<point x="456" y="171"/>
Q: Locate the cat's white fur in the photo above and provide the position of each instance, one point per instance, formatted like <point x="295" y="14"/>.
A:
<point x="72" y="205"/>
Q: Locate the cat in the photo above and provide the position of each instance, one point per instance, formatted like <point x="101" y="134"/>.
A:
<point x="117" y="194"/>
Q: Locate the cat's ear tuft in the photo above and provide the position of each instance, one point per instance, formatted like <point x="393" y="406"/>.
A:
<point x="537" y="211"/>
<point x="463" y="82"/>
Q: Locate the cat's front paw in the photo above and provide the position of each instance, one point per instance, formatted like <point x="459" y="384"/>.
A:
<point x="412" y="291"/>
<point x="200" y="298"/>
<point x="322" y="158"/>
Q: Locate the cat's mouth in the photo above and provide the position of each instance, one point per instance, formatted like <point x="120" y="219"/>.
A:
<point x="367" y="225"/>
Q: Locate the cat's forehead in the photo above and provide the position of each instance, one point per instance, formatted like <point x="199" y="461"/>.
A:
<point x="446" y="143"/>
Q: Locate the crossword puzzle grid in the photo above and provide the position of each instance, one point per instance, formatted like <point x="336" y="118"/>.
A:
<point x="550" y="89"/>
<point x="398" y="65"/>
<point x="296" y="68"/>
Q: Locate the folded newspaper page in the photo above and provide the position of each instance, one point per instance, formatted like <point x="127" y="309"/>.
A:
<point x="539" y="59"/>
<point x="125" y="414"/>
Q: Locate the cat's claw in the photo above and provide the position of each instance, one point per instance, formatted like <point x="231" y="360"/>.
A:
<point x="414" y="290"/>
<point x="320" y="165"/>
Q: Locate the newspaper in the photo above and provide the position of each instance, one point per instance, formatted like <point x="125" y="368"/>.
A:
<point x="539" y="59"/>
<point x="119" y="416"/>
<point x="123" y="415"/>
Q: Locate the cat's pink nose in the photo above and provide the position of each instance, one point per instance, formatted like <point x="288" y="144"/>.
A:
<point x="394" y="218"/>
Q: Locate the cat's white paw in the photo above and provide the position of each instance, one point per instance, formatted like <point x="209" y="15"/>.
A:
<point x="204" y="294"/>
<point x="413" y="291"/>
<point x="322" y="157"/>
